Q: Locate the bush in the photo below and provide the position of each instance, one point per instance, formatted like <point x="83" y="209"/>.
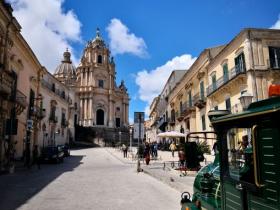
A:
<point x="203" y="148"/>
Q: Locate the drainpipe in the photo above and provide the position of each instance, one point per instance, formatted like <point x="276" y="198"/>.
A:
<point x="256" y="98"/>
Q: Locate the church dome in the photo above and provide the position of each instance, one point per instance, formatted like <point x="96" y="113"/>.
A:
<point x="66" y="71"/>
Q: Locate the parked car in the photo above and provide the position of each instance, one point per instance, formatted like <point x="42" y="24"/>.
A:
<point x="52" y="154"/>
<point x="66" y="150"/>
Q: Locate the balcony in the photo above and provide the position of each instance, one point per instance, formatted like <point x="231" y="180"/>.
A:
<point x="64" y="123"/>
<point x="187" y="108"/>
<point x="39" y="112"/>
<point x="6" y="84"/>
<point x="53" y="118"/>
<point x="199" y="100"/>
<point x="233" y="74"/>
<point x="171" y="121"/>
<point x="21" y="102"/>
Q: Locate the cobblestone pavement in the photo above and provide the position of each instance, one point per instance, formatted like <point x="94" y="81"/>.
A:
<point x="88" y="179"/>
<point x="156" y="169"/>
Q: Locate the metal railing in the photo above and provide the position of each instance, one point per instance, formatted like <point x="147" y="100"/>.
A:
<point x="199" y="98"/>
<point x="234" y="72"/>
<point x="6" y="82"/>
<point x="53" y="118"/>
<point x="21" y="98"/>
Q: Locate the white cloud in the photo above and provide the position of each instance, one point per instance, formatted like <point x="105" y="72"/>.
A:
<point x="152" y="82"/>
<point x="123" y="41"/>
<point x="47" y="28"/>
<point x="277" y="24"/>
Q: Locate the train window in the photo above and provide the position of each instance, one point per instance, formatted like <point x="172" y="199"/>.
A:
<point x="240" y="154"/>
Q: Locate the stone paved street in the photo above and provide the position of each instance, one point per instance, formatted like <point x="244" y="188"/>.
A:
<point x="89" y="179"/>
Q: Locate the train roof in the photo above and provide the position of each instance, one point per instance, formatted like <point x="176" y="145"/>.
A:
<point x="254" y="111"/>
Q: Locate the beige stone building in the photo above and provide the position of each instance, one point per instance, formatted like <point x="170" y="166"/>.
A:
<point x="104" y="106"/>
<point x="20" y="75"/>
<point x="216" y="80"/>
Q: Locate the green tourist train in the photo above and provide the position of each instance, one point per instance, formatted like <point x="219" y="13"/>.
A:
<point x="246" y="171"/>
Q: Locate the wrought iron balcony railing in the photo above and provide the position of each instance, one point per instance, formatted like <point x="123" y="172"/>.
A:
<point x="6" y="83"/>
<point x="234" y="72"/>
<point x="199" y="100"/>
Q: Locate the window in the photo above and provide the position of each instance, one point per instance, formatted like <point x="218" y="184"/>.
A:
<point x="63" y="94"/>
<point x="240" y="63"/>
<point x="216" y="108"/>
<point x="99" y="59"/>
<point x="53" y="87"/>
<point x="274" y="57"/>
<point x="239" y="147"/>
<point x="172" y="115"/>
<point x="118" y="109"/>
<point x="118" y="122"/>
<point x="225" y="72"/>
<point x="201" y="86"/>
<point x="181" y="107"/>
<point x="203" y="122"/>
<point x="190" y="98"/>
<point x="31" y="103"/>
<point x="214" y="80"/>
<point x="101" y="83"/>
<point x="228" y="104"/>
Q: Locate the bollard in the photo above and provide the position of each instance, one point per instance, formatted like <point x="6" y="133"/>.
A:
<point x="138" y="166"/>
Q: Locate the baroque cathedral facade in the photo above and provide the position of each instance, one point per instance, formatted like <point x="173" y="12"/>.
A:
<point x="103" y="105"/>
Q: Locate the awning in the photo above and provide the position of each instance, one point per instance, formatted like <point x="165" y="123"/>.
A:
<point x="172" y="134"/>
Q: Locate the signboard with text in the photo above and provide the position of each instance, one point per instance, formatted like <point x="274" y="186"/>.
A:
<point x="138" y="125"/>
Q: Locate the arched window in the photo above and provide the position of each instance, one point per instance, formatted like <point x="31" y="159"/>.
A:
<point x="172" y="115"/>
<point x="99" y="117"/>
<point x="99" y="59"/>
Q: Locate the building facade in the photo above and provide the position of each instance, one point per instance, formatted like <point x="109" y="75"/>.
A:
<point x="102" y="102"/>
<point x="216" y="80"/>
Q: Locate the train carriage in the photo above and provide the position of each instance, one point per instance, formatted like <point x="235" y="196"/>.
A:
<point x="246" y="173"/>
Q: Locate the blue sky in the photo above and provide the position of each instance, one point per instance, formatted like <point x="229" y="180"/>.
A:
<point x="149" y="38"/>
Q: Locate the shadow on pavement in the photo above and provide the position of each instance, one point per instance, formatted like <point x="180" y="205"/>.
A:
<point x="16" y="189"/>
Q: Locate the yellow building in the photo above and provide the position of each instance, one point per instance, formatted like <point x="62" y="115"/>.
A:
<point x="249" y="63"/>
<point x="20" y="75"/>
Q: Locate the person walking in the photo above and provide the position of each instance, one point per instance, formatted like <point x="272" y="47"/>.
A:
<point x="147" y="153"/>
<point x="172" y="147"/>
<point x="155" y="149"/>
<point x="124" y="149"/>
<point x="36" y="156"/>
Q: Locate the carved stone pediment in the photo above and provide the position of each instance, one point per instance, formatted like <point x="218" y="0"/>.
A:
<point x="200" y="74"/>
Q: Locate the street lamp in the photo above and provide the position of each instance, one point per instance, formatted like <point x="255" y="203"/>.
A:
<point x="245" y="99"/>
<point x="130" y="138"/>
<point x="120" y="139"/>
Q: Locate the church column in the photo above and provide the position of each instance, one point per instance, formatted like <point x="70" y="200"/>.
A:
<point x="81" y="109"/>
<point x="90" y="111"/>
<point x="81" y="74"/>
<point x="85" y="111"/>
<point x="126" y="113"/>
<point x="86" y="77"/>
<point x="111" y="113"/>
<point x="123" y="113"/>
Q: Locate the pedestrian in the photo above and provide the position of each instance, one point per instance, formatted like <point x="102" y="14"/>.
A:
<point x="36" y="156"/>
<point x="147" y="153"/>
<point x="152" y="150"/>
<point x="182" y="157"/>
<point x="172" y="147"/>
<point x="124" y="149"/>
<point x="155" y="149"/>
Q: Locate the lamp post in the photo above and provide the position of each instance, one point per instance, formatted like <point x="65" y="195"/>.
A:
<point x="130" y="139"/>
<point x="245" y="99"/>
<point x="120" y="139"/>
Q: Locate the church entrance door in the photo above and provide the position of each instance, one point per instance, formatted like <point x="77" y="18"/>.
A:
<point x="99" y="117"/>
